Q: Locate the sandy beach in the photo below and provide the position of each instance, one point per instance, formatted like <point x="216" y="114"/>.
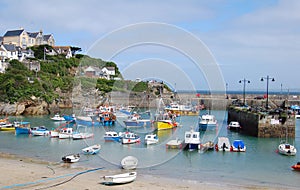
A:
<point x="25" y="173"/>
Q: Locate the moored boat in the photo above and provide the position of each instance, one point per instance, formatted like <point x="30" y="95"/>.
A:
<point x="207" y="122"/>
<point x="39" y="131"/>
<point x="129" y="162"/>
<point x="296" y="166"/>
<point x="151" y="139"/>
<point x="238" y="146"/>
<point x="57" y="117"/>
<point x="81" y="135"/>
<point x="112" y="136"/>
<point x="135" y="120"/>
<point x="192" y="140"/>
<point x="209" y="145"/>
<point x="223" y="144"/>
<point x="165" y="124"/>
<point x="234" y="125"/>
<point x="22" y="127"/>
<point x="65" y="133"/>
<point x="174" y="144"/>
<point x="180" y="109"/>
<point x="71" y="158"/>
<point x="130" y="138"/>
<point x="287" y="149"/>
<point x="94" y="149"/>
<point x="119" y="178"/>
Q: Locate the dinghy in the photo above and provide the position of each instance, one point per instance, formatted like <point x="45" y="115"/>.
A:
<point x="129" y="162"/>
<point x="119" y="178"/>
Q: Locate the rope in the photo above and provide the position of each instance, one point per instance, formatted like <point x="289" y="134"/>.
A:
<point x="48" y="179"/>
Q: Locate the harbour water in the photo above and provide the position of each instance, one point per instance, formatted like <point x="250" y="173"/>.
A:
<point x="259" y="165"/>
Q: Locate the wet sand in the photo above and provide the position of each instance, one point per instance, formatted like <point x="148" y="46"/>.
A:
<point x="25" y="173"/>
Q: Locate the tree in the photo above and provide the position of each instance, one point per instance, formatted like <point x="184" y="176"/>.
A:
<point x="75" y="49"/>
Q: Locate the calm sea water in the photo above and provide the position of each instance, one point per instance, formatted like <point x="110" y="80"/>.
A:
<point x="259" y="165"/>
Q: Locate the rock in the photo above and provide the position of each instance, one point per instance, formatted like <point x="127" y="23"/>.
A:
<point x="20" y="109"/>
<point x="37" y="109"/>
<point x="8" y="109"/>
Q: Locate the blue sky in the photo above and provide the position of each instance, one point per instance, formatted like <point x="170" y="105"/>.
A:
<point x="248" y="39"/>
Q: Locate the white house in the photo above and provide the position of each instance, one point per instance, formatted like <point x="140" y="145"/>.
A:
<point x="61" y="50"/>
<point x="109" y="71"/>
<point x="11" y="51"/>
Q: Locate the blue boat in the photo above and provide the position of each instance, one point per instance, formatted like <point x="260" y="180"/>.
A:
<point x="69" y="118"/>
<point x="112" y="136"/>
<point x="135" y="120"/>
<point x="22" y="127"/>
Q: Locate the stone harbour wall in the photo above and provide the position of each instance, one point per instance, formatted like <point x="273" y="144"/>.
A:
<point x="261" y="125"/>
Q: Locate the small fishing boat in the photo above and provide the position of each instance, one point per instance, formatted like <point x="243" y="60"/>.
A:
<point x="209" y="145"/>
<point x="234" y="125"/>
<point x="7" y="127"/>
<point x="151" y="139"/>
<point x="192" y="140"/>
<point x="22" y="127"/>
<point x="57" y="117"/>
<point x="94" y="149"/>
<point x="296" y="166"/>
<point x="112" y="136"/>
<point x="287" y="149"/>
<point x="181" y="109"/>
<point x="39" y="131"/>
<point x="174" y="144"/>
<point x="207" y="122"/>
<point x="71" y="158"/>
<point x="119" y="178"/>
<point x="238" y="146"/>
<point x="223" y="144"/>
<point x="129" y="162"/>
<point x="79" y="135"/>
<point x="135" y="120"/>
<point x="130" y="138"/>
<point x="65" y="133"/>
<point x="165" y="124"/>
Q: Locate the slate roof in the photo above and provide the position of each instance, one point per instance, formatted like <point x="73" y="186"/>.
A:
<point x="33" y="34"/>
<point x="46" y="37"/>
<point x="10" y="47"/>
<point x="13" y="33"/>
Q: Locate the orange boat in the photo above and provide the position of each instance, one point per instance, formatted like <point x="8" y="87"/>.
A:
<point x="296" y="166"/>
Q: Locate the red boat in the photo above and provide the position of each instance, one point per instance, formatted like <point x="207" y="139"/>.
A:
<point x="296" y="166"/>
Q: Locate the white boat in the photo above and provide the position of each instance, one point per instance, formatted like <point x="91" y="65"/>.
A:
<point x="129" y="162"/>
<point x="112" y="136"/>
<point x="207" y="122"/>
<point x="130" y="138"/>
<point x="71" y="158"/>
<point x="192" y="140"/>
<point x="223" y="144"/>
<point x="119" y="178"/>
<point x="151" y="139"/>
<point x="94" y="149"/>
<point x="57" y="117"/>
<point x="65" y="133"/>
<point x="79" y="135"/>
<point x="174" y="144"/>
<point x="287" y="149"/>
<point x="238" y="146"/>
<point x="39" y="131"/>
<point x="234" y="125"/>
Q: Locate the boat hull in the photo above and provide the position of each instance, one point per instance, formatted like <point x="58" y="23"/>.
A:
<point x="137" y="123"/>
<point x="120" y="178"/>
<point x="165" y="124"/>
<point x="92" y="149"/>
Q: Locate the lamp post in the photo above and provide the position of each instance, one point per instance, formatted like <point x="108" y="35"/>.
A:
<point x="267" y="78"/>
<point x="244" y="94"/>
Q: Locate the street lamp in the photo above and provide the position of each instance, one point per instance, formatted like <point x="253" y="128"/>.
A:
<point x="244" y="81"/>
<point x="268" y="78"/>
